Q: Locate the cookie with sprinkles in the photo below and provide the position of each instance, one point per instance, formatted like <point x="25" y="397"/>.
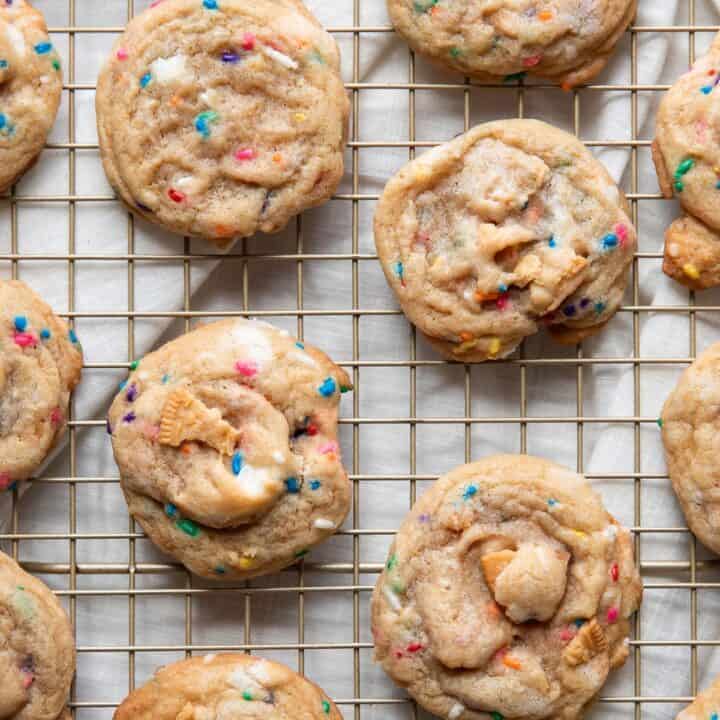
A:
<point x="30" y="88"/>
<point x="686" y="152"/>
<point x="507" y="593"/>
<point x="40" y="364"/>
<point x="227" y="686"/>
<point x="566" y="41"/>
<point x="512" y="226"/>
<point x="37" y="649"/>
<point x="226" y="439"/>
<point x="706" y="705"/>
<point x="690" y="427"/>
<point x="221" y="119"/>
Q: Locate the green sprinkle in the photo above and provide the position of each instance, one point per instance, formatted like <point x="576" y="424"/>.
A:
<point x="345" y="389"/>
<point x="422" y="6"/>
<point x="497" y="716"/>
<point x="679" y="186"/>
<point x="515" y="77"/>
<point x="684" y="167"/>
<point x="659" y="422"/>
<point x="247" y="695"/>
<point x="21" y="587"/>
<point x="134" y="364"/>
<point x="56" y="65"/>
<point x="188" y="527"/>
<point x="392" y="562"/>
<point x="301" y="553"/>
<point x="326" y="707"/>
<point x="455" y="52"/>
<point x="398" y="587"/>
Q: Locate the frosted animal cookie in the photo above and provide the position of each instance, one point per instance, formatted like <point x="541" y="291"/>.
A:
<point x="37" y="650"/>
<point x="567" y="41"/>
<point x="686" y="152"/>
<point x="706" y="705"/>
<point x="507" y="594"/>
<point x="689" y="430"/>
<point x="220" y="118"/>
<point x="227" y="686"/>
<point x="40" y="364"/>
<point x="508" y="227"/>
<point x="226" y="439"/>
<point x="30" y="88"/>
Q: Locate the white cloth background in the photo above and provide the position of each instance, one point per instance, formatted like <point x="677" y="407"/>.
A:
<point x="608" y="389"/>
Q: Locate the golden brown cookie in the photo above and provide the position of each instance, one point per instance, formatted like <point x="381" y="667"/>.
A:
<point x="221" y="118"/>
<point x="221" y="687"/>
<point x="226" y="439"/>
<point x="507" y="594"/>
<point x="706" y="705"/>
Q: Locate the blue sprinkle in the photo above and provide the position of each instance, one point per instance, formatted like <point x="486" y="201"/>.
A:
<point x="237" y="462"/>
<point x="328" y="387"/>
<point x="714" y="716"/>
<point x="145" y="80"/>
<point x="469" y="491"/>
<point x="230" y="57"/>
<point x="43" y="48"/>
<point x="171" y="510"/>
<point x="45" y="334"/>
<point x="3" y="121"/>
<point x="609" y="242"/>
<point x="220" y="570"/>
<point x="315" y="484"/>
<point x="21" y="323"/>
<point x="552" y="502"/>
<point x="203" y="120"/>
<point x="570" y="310"/>
<point x="398" y="269"/>
<point x="123" y="385"/>
<point x="600" y="307"/>
<point x="502" y="288"/>
<point x="3" y="64"/>
<point x="717" y="185"/>
<point x="73" y="337"/>
<point x="210" y="4"/>
<point x="706" y="90"/>
<point x="165" y="379"/>
<point x="579" y="623"/>
<point x="292" y="485"/>
<point x="552" y="242"/>
<point x="300" y="345"/>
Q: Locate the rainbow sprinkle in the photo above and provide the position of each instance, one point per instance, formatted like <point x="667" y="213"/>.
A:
<point x="203" y="120"/>
<point x="552" y="242"/>
<point x="145" y="80"/>
<point x="45" y="334"/>
<point x="315" y="484"/>
<point x="43" y="48"/>
<point x="326" y="707"/>
<point x="230" y="57"/>
<point x="470" y="491"/>
<point x="398" y="269"/>
<point x="423" y="6"/>
<point x="247" y="695"/>
<point x="188" y="527"/>
<point x="515" y="77"/>
<point x="612" y="615"/>
<point x="210" y="4"/>
<point x="73" y="337"/>
<point x="20" y="323"/>
<point x="170" y="510"/>
<point x="327" y="389"/>
<point x="3" y="64"/>
<point x="130" y="417"/>
<point x="237" y="462"/>
<point x="609" y="242"/>
<point x="293" y="486"/>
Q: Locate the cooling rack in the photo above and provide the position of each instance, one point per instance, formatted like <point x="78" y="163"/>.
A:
<point x="314" y="616"/>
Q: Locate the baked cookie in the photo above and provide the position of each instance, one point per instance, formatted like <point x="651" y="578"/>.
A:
<point x="30" y="88"/>
<point x="509" y="226"/>
<point x="226" y="439"/>
<point x="569" y="43"/>
<point x="686" y="152"/>
<point x="40" y="363"/>
<point x="227" y="686"/>
<point x="37" y="649"/>
<point x="219" y="118"/>
<point x="507" y="594"/>
<point x="706" y="705"/>
<point x="690" y="428"/>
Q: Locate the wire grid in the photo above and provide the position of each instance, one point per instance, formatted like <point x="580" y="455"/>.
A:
<point x="302" y="584"/>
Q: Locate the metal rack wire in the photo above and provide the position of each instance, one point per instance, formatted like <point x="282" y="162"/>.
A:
<point x="302" y="581"/>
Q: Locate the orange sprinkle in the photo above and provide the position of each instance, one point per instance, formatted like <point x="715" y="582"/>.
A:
<point x="566" y="86"/>
<point x="435" y="10"/>
<point x="176" y="100"/>
<point x="466" y="336"/>
<point x="545" y="15"/>
<point x="223" y="230"/>
<point x="711" y="71"/>
<point x="493" y="609"/>
<point x="484" y="297"/>
<point x="511" y="662"/>
<point x="277" y="158"/>
<point x="186" y="448"/>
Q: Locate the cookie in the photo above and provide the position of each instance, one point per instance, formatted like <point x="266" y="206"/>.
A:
<point x="510" y="226"/>
<point x="30" y="88"/>
<point x="227" y="686"/>
<point x="706" y="705"/>
<point x="689" y="429"/>
<point x="37" y="649"/>
<point x="40" y="364"/>
<point x="686" y="152"/>
<point x="226" y="439"/>
<point x="221" y="118"/>
<point x="507" y="593"/>
<point x="568" y="43"/>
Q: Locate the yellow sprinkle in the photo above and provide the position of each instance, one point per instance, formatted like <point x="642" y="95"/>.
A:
<point x="465" y="346"/>
<point x="299" y="117"/>
<point x="691" y="271"/>
<point x="580" y="533"/>
<point x="716" y="169"/>
<point x="494" y="346"/>
<point x="245" y="563"/>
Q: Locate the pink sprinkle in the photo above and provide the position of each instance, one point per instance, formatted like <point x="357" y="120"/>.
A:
<point x="612" y="615"/>
<point x="501" y="653"/>
<point x="246" y="369"/>
<point x="28" y="679"/>
<point x="248" y="42"/>
<point x="503" y="302"/>
<point x="155" y="3"/>
<point x="532" y="61"/>
<point x="622" y="233"/>
<point x="56" y="416"/>
<point x="245" y="154"/>
<point x="566" y="635"/>
<point x="25" y="340"/>
<point x="5" y="481"/>
<point x="122" y="54"/>
<point x="327" y="448"/>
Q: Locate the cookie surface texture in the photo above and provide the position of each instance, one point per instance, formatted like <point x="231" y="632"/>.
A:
<point x="221" y="118"/>
<point x="507" y="593"/>
<point x="216" y="687"/>
<point x="510" y="226"/>
<point x="566" y="41"/>
<point x="689" y="433"/>
<point x="226" y="440"/>
<point x="706" y="706"/>
<point x="686" y="152"/>
<point x="37" y="650"/>
<point x="40" y="364"/>
<point x="30" y="88"/>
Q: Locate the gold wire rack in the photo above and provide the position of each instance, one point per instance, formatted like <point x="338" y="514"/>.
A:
<point x="355" y="577"/>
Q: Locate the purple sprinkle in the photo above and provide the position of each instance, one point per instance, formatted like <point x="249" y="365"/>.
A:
<point x="424" y="518"/>
<point x="130" y="417"/>
<point x="584" y="302"/>
<point x="108" y="426"/>
<point x="569" y="310"/>
<point x="230" y="57"/>
<point x="145" y="208"/>
<point x="132" y="393"/>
